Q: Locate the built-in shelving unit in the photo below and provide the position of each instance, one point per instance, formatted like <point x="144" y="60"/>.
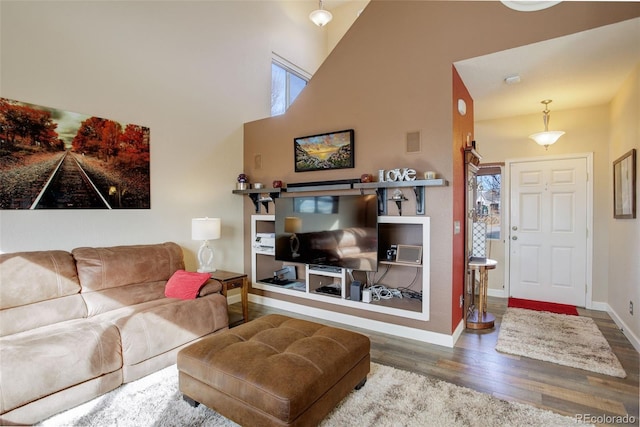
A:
<point x="410" y="230"/>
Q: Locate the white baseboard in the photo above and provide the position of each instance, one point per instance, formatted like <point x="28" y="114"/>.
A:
<point x="499" y="293"/>
<point x="623" y="327"/>
<point x="599" y="306"/>
<point x="232" y="299"/>
<point x="364" y="323"/>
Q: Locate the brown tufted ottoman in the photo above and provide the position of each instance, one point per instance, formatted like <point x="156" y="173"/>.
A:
<point x="274" y="370"/>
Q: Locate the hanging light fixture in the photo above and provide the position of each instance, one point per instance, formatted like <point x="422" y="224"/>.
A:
<point x="547" y="137"/>
<point x="320" y="17"/>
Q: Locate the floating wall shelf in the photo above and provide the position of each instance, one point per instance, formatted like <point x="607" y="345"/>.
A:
<point x="417" y="185"/>
<point x="257" y="194"/>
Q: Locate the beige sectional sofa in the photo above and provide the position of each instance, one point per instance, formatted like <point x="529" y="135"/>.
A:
<point x="74" y="325"/>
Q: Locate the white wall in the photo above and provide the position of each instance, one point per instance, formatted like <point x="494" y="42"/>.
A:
<point x="193" y="72"/>
<point x="343" y="17"/>
<point x="587" y="130"/>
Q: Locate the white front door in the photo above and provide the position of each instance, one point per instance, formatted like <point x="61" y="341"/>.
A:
<point x="548" y="230"/>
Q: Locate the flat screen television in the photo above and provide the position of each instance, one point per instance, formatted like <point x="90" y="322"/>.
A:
<point x="337" y="231"/>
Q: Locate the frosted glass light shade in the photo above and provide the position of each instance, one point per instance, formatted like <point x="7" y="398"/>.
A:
<point x="321" y="17"/>
<point x="546" y="138"/>
<point x="205" y="228"/>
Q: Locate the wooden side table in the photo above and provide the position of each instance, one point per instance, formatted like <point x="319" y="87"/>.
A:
<point x="477" y="316"/>
<point x="230" y="281"/>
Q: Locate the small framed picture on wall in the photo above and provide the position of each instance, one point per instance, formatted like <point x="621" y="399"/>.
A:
<point x="624" y="186"/>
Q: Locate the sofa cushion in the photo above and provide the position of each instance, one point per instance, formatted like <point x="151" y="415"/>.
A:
<point x="104" y="268"/>
<point x="121" y="276"/>
<point x="123" y="296"/>
<point x="29" y="277"/>
<point x="185" y="284"/>
<point x="36" y="315"/>
<point x="155" y="327"/>
<point x="213" y="286"/>
<point x="38" y="288"/>
<point x="43" y="361"/>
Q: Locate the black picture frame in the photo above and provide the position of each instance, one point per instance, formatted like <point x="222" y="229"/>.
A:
<point x="325" y="151"/>
<point x="624" y="186"/>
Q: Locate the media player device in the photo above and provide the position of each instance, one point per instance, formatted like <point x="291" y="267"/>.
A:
<point x="409" y="254"/>
<point x="356" y="290"/>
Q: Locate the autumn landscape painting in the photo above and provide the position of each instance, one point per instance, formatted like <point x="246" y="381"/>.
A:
<point x="325" y="151"/>
<point x="54" y="159"/>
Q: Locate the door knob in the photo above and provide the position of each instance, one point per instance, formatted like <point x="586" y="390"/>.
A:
<point x="514" y="228"/>
<point x="514" y="238"/>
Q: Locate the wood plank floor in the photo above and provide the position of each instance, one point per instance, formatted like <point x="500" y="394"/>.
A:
<point x="475" y="363"/>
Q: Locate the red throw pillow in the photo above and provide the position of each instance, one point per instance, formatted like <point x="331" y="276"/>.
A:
<point x="185" y="284"/>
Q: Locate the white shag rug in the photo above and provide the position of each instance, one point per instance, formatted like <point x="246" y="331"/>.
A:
<point x="566" y="340"/>
<point x="391" y="397"/>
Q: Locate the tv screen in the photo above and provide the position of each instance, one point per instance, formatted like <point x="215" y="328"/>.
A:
<point x="338" y="231"/>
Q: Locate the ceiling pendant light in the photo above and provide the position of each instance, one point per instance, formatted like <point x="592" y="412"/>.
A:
<point x="321" y="17"/>
<point x="547" y="137"/>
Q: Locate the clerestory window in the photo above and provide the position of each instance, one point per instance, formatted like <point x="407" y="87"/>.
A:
<point x="287" y="81"/>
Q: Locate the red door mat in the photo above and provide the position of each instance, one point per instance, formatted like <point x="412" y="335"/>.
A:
<point x="543" y="306"/>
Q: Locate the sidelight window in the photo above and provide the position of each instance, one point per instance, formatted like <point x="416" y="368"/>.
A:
<point x="489" y="199"/>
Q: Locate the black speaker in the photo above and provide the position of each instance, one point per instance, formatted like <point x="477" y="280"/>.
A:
<point x="356" y="291"/>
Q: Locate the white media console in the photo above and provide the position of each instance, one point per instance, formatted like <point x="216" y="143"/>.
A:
<point x="311" y="280"/>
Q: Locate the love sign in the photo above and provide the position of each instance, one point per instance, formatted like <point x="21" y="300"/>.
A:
<point x="397" y="174"/>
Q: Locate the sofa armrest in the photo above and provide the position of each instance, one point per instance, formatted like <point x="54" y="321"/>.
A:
<point x="212" y="286"/>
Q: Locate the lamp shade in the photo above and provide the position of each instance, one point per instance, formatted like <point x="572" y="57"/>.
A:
<point x="320" y="17"/>
<point x="546" y="138"/>
<point x="205" y="228"/>
<point x="292" y="224"/>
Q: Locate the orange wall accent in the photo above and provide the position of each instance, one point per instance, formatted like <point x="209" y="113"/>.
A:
<point x="462" y="128"/>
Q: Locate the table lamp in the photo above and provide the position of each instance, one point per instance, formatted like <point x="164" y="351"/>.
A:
<point x="205" y="229"/>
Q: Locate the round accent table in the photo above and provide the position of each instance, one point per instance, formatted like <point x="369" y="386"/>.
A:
<point x="477" y="316"/>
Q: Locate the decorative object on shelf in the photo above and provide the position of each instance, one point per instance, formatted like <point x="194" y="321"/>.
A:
<point x="366" y="177"/>
<point x="258" y="185"/>
<point x="277" y="184"/>
<point x="243" y="182"/>
<point x="293" y="225"/>
<point x="325" y="151"/>
<point x="547" y="137"/>
<point x="320" y="17"/>
<point x="418" y="187"/>
<point x="205" y="229"/>
<point x="397" y="174"/>
<point x="624" y="186"/>
<point x="429" y="175"/>
<point x="398" y="197"/>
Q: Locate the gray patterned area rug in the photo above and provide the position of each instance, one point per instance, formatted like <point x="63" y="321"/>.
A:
<point x="391" y="397"/>
<point x="566" y="340"/>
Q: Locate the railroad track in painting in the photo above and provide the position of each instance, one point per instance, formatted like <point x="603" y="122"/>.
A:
<point x="69" y="187"/>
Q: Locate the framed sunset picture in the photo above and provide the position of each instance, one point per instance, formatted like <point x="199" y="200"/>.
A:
<point x="324" y="151"/>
